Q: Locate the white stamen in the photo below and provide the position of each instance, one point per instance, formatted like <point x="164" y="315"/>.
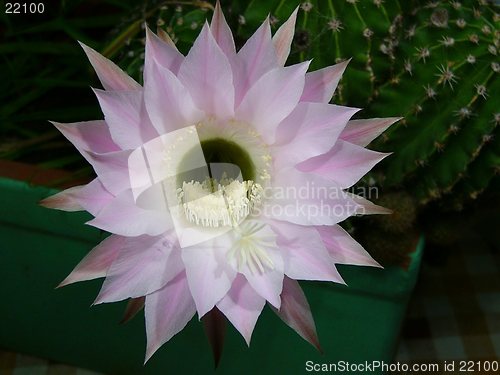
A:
<point x="218" y="204"/>
<point x="250" y="249"/>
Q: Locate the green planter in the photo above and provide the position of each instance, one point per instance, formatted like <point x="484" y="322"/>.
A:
<point x="39" y="247"/>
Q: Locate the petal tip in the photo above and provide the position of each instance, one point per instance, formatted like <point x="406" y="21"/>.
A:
<point x="63" y="283"/>
<point x="149" y="354"/>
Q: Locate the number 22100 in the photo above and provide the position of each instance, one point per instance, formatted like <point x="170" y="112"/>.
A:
<point x="18" y="8"/>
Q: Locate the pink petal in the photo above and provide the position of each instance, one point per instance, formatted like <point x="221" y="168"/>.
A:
<point x="134" y="305"/>
<point x="242" y="307"/>
<point x="343" y="248"/>
<point x="209" y="275"/>
<point x="365" y="207"/>
<point x="112" y="169"/>
<point x="283" y="38"/>
<point x="310" y="130"/>
<point x="255" y="58"/>
<point x="97" y="262"/>
<point x="125" y="217"/>
<point x="91" y="197"/>
<point x="304" y="254"/>
<point x="144" y="265"/>
<point x="64" y="200"/>
<point x="110" y="75"/>
<point x="124" y="113"/>
<point x="163" y="53"/>
<point x="168" y="102"/>
<point x="307" y="199"/>
<point x="296" y="313"/>
<point x="88" y="136"/>
<point x="167" y="312"/>
<point x="321" y="84"/>
<point x="362" y="132"/>
<point x="163" y="35"/>
<point x="207" y="74"/>
<point x="272" y="99"/>
<point x="221" y="32"/>
<point x="345" y="163"/>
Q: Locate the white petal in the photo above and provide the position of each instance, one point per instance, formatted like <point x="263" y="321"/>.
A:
<point x="207" y="75"/>
<point x="307" y="199"/>
<point x="242" y="306"/>
<point x="254" y="59"/>
<point x="168" y="102"/>
<point x="343" y="248"/>
<point x="362" y="132"/>
<point x="345" y="163"/>
<point x="304" y="254"/>
<point x="321" y="84"/>
<point x="143" y="265"/>
<point x="97" y="262"/>
<point x="126" y="117"/>
<point x="310" y="130"/>
<point x="208" y="273"/>
<point x="221" y="32"/>
<point x="271" y="99"/>
<point x="167" y="312"/>
<point x="110" y="75"/>
<point x="125" y="217"/>
<point x="162" y="53"/>
<point x="283" y="38"/>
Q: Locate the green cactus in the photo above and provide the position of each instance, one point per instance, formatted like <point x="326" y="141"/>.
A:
<point x="434" y="63"/>
<point x="449" y="116"/>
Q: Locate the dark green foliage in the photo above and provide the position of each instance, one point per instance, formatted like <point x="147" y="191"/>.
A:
<point x="44" y="75"/>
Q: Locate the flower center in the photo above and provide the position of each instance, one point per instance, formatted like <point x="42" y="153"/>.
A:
<point x="219" y="151"/>
<point x="228" y="194"/>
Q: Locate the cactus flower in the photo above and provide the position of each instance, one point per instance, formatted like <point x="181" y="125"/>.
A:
<point x="222" y="181"/>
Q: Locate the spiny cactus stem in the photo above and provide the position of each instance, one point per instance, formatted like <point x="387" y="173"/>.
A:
<point x="304" y="19"/>
<point x="436" y="46"/>
<point x="384" y="12"/>
<point x="476" y="152"/>
<point x="474" y="26"/>
<point x="482" y="18"/>
<point x="368" y="64"/>
<point x="335" y="34"/>
<point x="484" y="83"/>
<point x="282" y="2"/>
<point x="304" y="24"/>
<point x="360" y="17"/>
<point x="416" y="60"/>
<point x="424" y="98"/>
